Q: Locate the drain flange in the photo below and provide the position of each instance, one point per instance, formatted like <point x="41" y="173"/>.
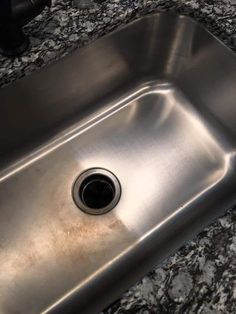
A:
<point x="96" y="191"/>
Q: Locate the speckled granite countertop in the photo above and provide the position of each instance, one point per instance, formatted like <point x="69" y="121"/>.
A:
<point x="201" y="276"/>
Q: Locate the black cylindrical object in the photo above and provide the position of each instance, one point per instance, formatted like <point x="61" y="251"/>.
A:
<point x="14" y="14"/>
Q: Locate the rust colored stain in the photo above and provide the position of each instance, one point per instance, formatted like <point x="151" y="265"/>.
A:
<point x="56" y="246"/>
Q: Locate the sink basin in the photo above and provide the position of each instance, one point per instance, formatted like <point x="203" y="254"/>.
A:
<point x="153" y="105"/>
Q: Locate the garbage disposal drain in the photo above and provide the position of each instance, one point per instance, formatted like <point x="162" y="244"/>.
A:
<point x="96" y="191"/>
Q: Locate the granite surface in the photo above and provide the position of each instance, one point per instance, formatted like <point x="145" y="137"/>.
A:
<point x="201" y="276"/>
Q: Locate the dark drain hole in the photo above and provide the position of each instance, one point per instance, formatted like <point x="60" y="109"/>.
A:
<point x="97" y="191"/>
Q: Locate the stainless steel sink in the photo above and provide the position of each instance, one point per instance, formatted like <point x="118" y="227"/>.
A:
<point x="153" y="105"/>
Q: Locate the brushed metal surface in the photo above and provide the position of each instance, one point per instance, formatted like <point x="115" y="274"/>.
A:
<point x="154" y="103"/>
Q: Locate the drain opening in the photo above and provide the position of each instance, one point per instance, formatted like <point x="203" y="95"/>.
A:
<point x="96" y="191"/>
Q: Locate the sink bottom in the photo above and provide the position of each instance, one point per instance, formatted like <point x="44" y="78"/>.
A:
<point x="166" y="158"/>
